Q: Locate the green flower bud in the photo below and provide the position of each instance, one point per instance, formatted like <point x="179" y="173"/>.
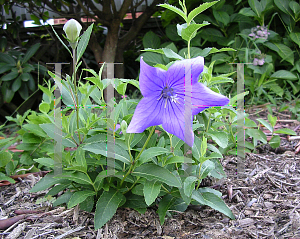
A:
<point x="124" y="126"/>
<point x="72" y="29"/>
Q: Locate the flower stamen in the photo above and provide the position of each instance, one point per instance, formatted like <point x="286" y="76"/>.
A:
<point x="168" y="93"/>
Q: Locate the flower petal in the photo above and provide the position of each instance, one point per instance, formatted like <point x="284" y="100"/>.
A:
<point x="147" y="113"/>
<point x="176" y="73"/>
<point x="152" y="79"/>
<point x="203" y="97"/>
<point x="178" y="122"/>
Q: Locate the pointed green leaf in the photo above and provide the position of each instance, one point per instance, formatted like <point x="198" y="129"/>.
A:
<point x="77" y="177"/>
<point x="10" y="76"/>
<point x="295" y="36"/>
<point x="266" y="124"/>
<point x="151" y="40"/>
<point x="275" y="141"/>
<point x="221" y="138"/>
<point x="151" y="191"/>
<point x="107" y="206"/>
<point x="101" y="148"/>
<point x="175" y="9"/>
<point x="213" y="201"/>
<point x="284" y="74"/>
<point x="45" y="183"/>
<point x="6" y="178"/>
<point x="5" y="158"/>
<point x="80" y="158"/>
<point x="163" y="206"/>
<point x="206" y="168"/>
<point x="155" y="172"/>
<point x="61" y="40"/>
<point x="190" y="31"/>
<point x="285" y="131"/>
<point x="30" y="52"/>
<point x="221" y="16"/>
<point x="48" y="162"/>
<point x="79" y="197"/>
<point x="189" y="185"/>
<point x="256" y="6"/>
<point x="150" y="153"/>
<point x="179" y="159"/>
<point x="198" y="10"/>
<point x="83" y="42"/>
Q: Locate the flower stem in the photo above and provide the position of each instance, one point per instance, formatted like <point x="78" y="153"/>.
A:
<point x="132" y="165"/>
<point x="189" y="49"/>
<point x="75" y="87"/>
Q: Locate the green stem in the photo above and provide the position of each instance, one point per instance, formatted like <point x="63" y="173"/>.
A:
<point x="189" y="49"/>
<point x="75" y="87"/>
<point x="132" y="164"/>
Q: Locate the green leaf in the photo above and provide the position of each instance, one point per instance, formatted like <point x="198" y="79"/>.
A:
<point x="221" y="138"/>
<point x="198" y="10"/>
<point x="45" y="183"/>
<point x="4" y="67"/>
<point x="151" y="191"/>
<point x="284" y="74"/>
<point x="295" y="7"/>
<point x="176" y="10"/>
<point x="6" y="178"/>
<point x="275" y="141"/>
<point x="101" y="148"/>
<point x="247" y="11"/>
<point x="49" y="162"/>
<point x="35" y="129"/>
<point x="10" y="76"/>
<point x="25" y="77"/>
<point x="151" y="40"/>
<point x="122" y="88"/>
<point x="83" y="42"/>
<point x="266" y="124"/>
<point x="7" y="58"/>
<point x="79" y="197"/>
<point x="222" y="17"/>
<point x="51" y="132"/>
<point x="155" y="172"/>
<point x="295" y="36"/>
<point x="163" y="206"/>
<point x="196" y="149"/>
<point x="17" y="84"/>
<point x="5" y="158"/>
<point x="213" y="201"/>
<point x="150" y="153"/>
<point x="30" y="52"/>
<point x="62" y="199"/>
<point x="31" y="138"/>
<point x="211" y="34"/>
<point x="283" y="6"/>
<point x="107" y="206"/>
<point x="77" y="177"/>
<point x="80" y="158"/>
<point x="178" y="159"/>
<point x="206" y="168"/>
<point x="171" y="32"/>
<point x="256" y="6"/>
<point x="257" y="134"/>
<point x="190" y="31"/>
<point x="189" y="185"/>
<point x="44" y="107"/>
<point x="283" y="51"/>
<point x="285" y="131"/>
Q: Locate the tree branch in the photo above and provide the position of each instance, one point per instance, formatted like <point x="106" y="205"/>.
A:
<point x="124" y="8"/>
<point x="85" y="10"/>
<point x="138" y="24"/>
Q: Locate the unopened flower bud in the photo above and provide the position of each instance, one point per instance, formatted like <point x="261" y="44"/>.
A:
<point x="72" y="29"/>
<point x="124" y="126"/>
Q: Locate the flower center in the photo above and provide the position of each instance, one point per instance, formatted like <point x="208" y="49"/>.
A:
<point x="168" y="93"/>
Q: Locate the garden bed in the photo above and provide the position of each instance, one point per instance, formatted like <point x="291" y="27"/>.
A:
<point x="266" y="204"/>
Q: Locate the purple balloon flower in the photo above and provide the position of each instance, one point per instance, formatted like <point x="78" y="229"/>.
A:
<point x="169" y="100"/>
